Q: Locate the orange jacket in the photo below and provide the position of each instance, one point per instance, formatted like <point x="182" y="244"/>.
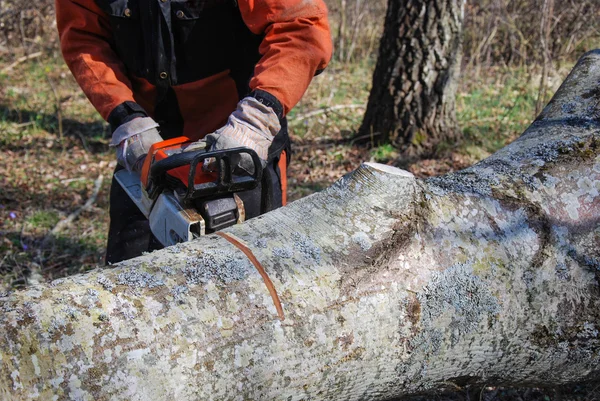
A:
<point x="106" y="45"/>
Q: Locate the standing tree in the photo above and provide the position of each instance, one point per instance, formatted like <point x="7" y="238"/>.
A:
<point x="412" y="103"/>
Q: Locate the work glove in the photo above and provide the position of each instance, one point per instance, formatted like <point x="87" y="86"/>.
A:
<point x="133" y="140"/>
<point x="252" y="125"/>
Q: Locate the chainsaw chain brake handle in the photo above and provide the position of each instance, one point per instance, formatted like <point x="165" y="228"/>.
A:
<point x="226" y="161"/>
<point x="199" y="183"/>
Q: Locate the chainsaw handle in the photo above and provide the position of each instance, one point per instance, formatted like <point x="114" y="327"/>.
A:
<point x="225" y="183"/>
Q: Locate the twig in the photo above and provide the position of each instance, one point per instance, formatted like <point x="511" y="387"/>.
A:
<point x="341" y="31"/>
<point x="22" y="29"/>
<point x="58" y="112"/>
<point x="545" y="32"/>
<point x="452" y="384"/>
<point x="349" y="118"/>
<point x="324" y="110"/>
<point x="23" y="125"/>
<point x="359" y="14"/>
<point x="70" y="180"/>
<point x="320" y="143"/>
<point x="92" y="199"/>
<point x="360" y="138"/>
<point x="83" y="141"/>
<point x="21" y="60"/>
<point x="35" y="276"/>
<point x="592" y="394"/>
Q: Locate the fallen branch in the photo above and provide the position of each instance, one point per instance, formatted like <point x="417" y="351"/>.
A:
<point x="35" y="276"/>
<point x="91" y="200"/>
<point x="70" y="180"/>
<point x="324" y="110"/>
<point x="58" y="107"/>
<point x="21" y="60"/>
<point x="25" y="124"/>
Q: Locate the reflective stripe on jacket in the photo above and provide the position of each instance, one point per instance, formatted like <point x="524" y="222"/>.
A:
<point x="188" y="62"/>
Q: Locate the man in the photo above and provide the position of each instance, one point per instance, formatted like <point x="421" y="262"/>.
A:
<point x="227" y="71"/>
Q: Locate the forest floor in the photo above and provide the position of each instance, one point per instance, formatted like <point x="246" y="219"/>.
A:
<point x="55" y="152"/>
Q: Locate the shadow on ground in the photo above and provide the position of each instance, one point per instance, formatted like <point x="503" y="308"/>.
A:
<point x="589" y="391"/>
<point x="53" y="255"/>
<point x="93" y="135"/>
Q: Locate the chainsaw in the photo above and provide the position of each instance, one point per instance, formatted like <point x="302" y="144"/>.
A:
<point x="182" y="198"/>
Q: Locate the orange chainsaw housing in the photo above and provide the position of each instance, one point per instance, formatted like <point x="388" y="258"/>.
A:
<point x="160" y="150"/>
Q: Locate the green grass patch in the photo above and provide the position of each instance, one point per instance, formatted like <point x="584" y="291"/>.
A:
<point x="9" y="133"/>
<point x="384" y="153"/>
<point x="338" y="86"/>
<point x="44" y="219"/>
<point x="28" y="100"/>
<point x="494" y="110"/>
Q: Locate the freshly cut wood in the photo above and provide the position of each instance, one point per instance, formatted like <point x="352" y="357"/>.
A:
<point x="387" y="286"/>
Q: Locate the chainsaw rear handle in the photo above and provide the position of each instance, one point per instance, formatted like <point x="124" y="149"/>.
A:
<point x="225" y="182"/>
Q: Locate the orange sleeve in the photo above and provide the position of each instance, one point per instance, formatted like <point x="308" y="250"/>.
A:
<point x="85" y="39"/>
<point x="296" y="44"/>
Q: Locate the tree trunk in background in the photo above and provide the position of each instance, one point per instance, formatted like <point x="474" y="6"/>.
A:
<point x="412" y="103"/>
<point x="380" y="286"/>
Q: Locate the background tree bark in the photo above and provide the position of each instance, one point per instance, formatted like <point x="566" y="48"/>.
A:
<point x="412" y="103"/>
<point x="378" y="287"/>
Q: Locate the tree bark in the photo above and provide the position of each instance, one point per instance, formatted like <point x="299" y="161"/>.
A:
<point x="412" y="103"/>
<point x="380" y="286"/>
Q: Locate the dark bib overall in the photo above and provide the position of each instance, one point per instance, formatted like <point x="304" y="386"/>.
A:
<point x="174" y="42"/>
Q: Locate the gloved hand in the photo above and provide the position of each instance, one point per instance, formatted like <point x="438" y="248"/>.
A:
<point x="252" y="125"/>
<point x="133" y="140"/>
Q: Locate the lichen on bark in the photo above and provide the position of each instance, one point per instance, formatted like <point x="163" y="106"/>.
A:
<point x="388" y="286"/>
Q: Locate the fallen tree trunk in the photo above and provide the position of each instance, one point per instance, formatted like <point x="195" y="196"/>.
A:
<point x="380" y="286"/>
